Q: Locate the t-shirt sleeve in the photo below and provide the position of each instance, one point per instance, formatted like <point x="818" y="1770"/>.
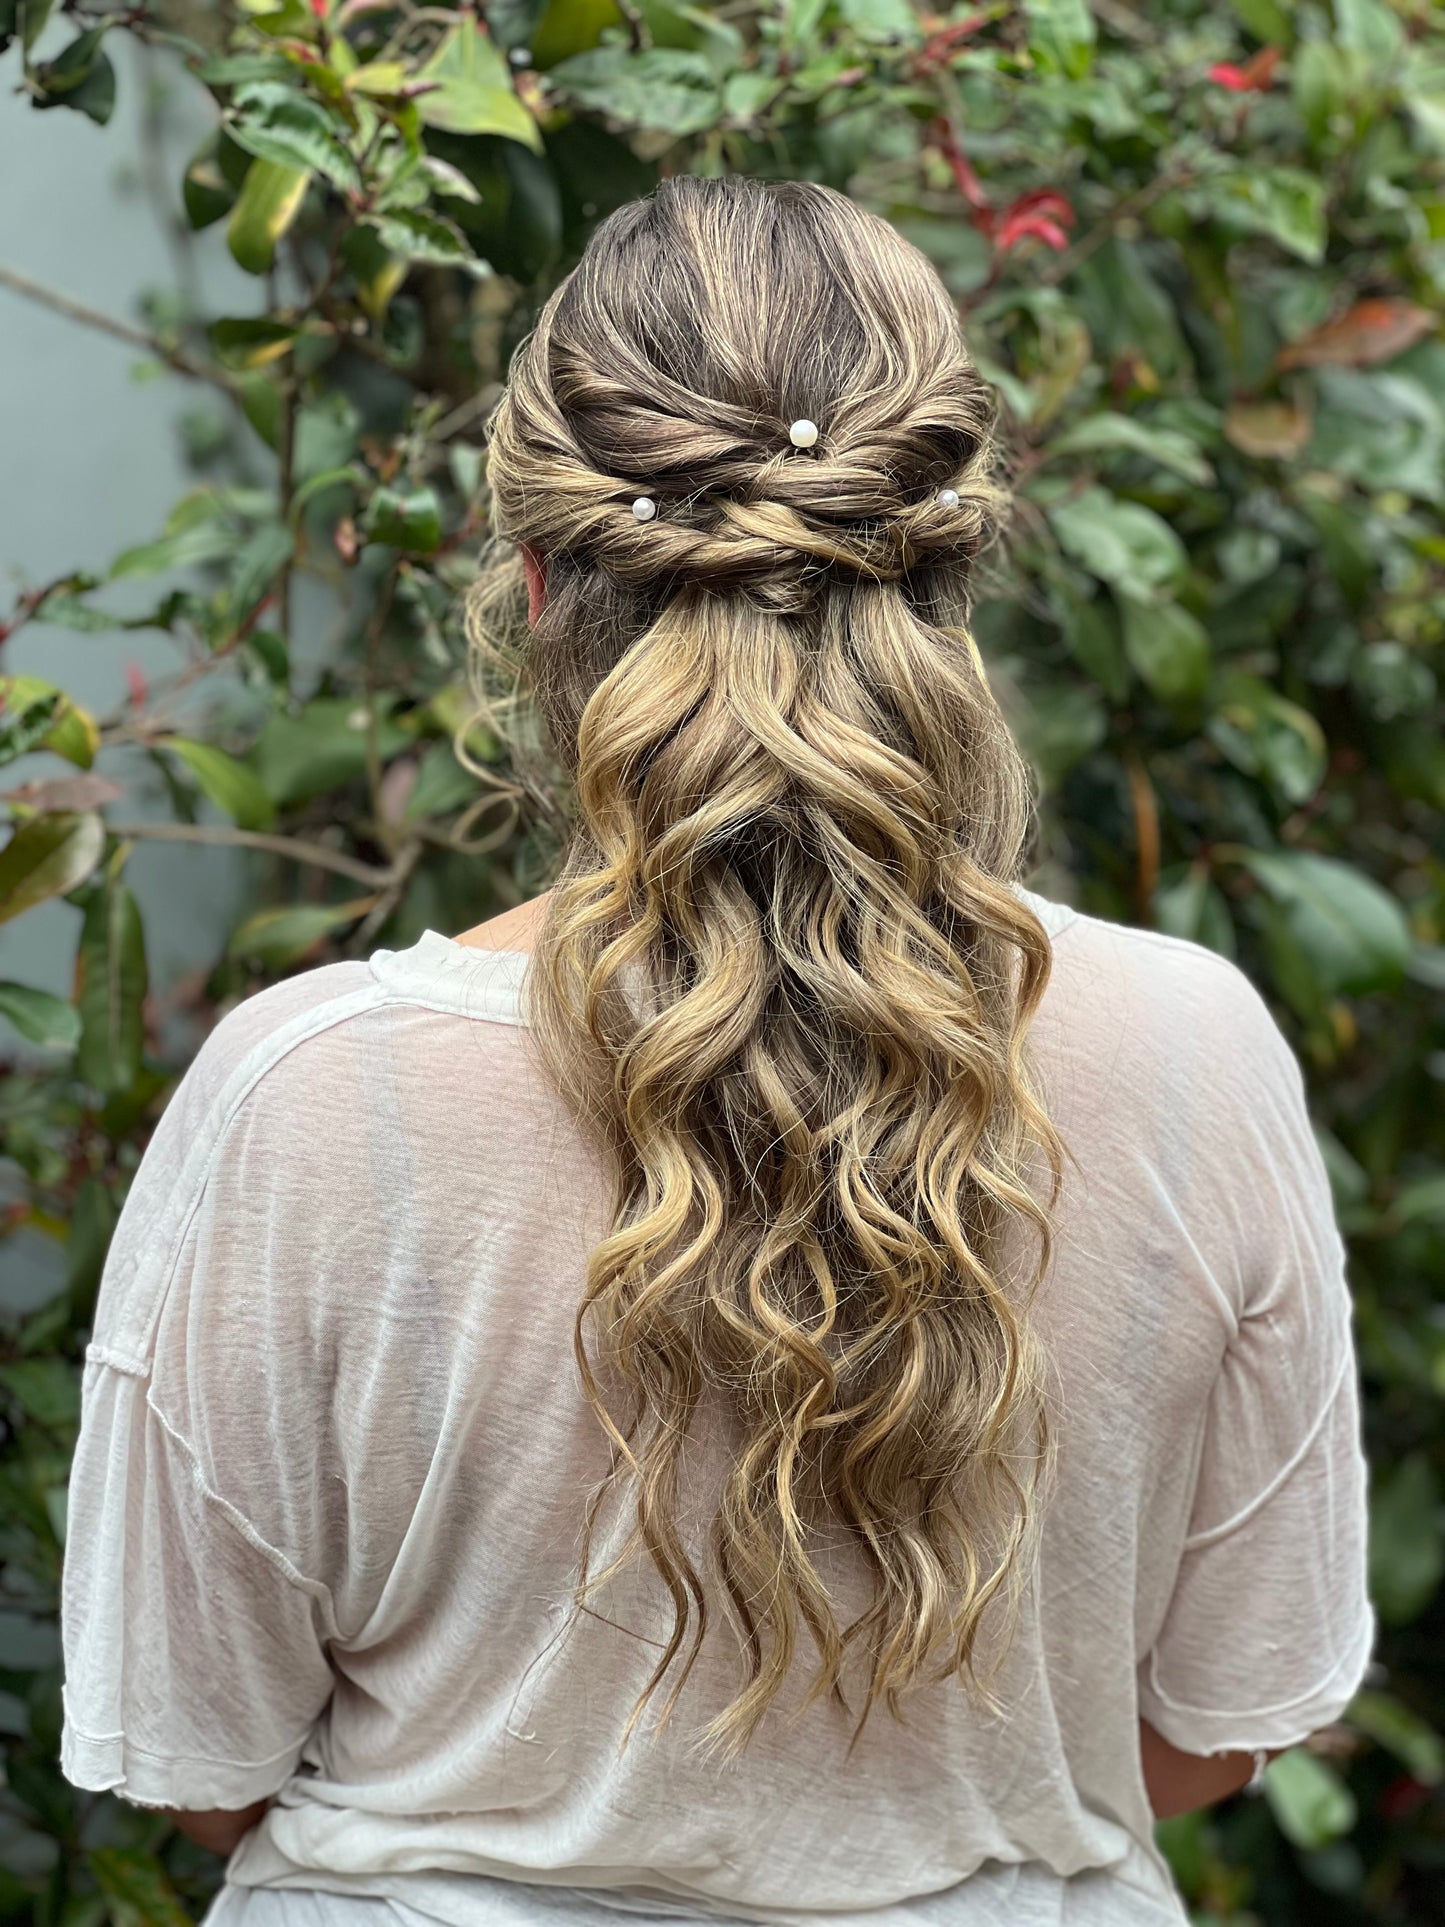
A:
<point x="1269" y="1628"/>
<point x="194" y="1643"/>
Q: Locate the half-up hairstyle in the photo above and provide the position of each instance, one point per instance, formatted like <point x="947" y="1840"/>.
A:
<point x="798" y="822"/>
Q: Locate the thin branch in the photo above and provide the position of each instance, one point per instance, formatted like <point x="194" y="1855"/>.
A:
<point x="371" y="646"/>
<point x="107" y="324"/>
<point x="407" y="859"/>
<point x="285" y="457"/>
<point x="638" y="30"/>
<point x="297" y="850"/>
<point x="1064" y="264"/>
<point x="467" y="412"/>
<point x="1146" y="836"/>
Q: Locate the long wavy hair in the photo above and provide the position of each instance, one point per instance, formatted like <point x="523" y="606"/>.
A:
<point x="796" y="817"/>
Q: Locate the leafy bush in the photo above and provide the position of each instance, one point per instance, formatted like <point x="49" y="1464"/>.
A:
<point x="1198" y="246"/>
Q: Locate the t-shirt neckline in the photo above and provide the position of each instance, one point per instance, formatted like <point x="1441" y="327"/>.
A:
<point x="441" y="971"/>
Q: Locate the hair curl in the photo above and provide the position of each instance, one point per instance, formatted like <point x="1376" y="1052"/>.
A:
<point x="798" y="817"/>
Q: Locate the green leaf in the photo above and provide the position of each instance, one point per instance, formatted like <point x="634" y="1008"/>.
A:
<point x="283" y="125"/>
<point x="81" y="77"/>
<point x="233" y="70"/>
<point x="1061" y="36"/>
<point x="1393" y="681"/>
<point x="67" y="611"/>
<point x="1308" y="1799"/>
<point x="95" y="96"/>
<point x="1391" y="1724"/>
<point x="1168" y="647"/>
<point x="74" y="735"/>
<point x="138" y="1888"/>
<point x="48" y="1390"/>
<point x="1421" y="1199"/>
<point x="1284" y="203"/>
<point x="35" y="15"/>
<point x="251" y="341"/>
<point x="1267" y="20"/>
<point x="1061" y="724"/>
<point x="1380" y="428"/>
<point x="1264" y="735"/>
<point x="894" y="21"/>
<point x="273" y="655"/>
<point x="111" y="982"/>
<point x="1092" y="630"/>
<point x="671" y="90"/>
<point x="47" y="857"/>
<point x="1324" y="89"/>
<point x="1407" y="1550"/>
<point x="378" y="272"/>
<point x="377" y="77"/>
<point x="418" y="236"/>
<point x="275" y="939"/>
<point x="442" y="785"/>
<point x="28" y="708"/>
<point x="1107" y="433"/>
<point x="406" y="518"/>
<point x="39" y="1017"/>
<point x="1192" y="907"/>
<point x="472" y="91"/>
<point x="569" y="27"/>
<point x="231" y="786"/>
<point x="258" y="562"/>
<point x="1355" y="936"/>
<point x="266" y="206"/>
<point x="201" y="542"/>
<point x="320" y="749"/>
<point x="1121" y="542"/>
<point x="67" y="72"/>
<point x="92" y="1224"/>
<point x="36" y="715"/>
<point x="1370" y="28"/>
<point x="260" y="400"/>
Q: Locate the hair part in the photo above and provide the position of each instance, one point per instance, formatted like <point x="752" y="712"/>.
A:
<point x="797" y="816"/>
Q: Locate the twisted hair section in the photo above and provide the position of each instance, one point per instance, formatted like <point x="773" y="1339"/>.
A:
<point x="796" y="820"/>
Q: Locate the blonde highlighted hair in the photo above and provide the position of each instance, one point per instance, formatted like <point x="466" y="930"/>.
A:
<point x="798" y="814"/>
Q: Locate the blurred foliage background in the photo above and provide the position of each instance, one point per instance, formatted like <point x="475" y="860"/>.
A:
<point x="1199" y="246"/>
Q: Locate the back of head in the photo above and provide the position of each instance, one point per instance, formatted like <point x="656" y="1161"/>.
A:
<point x="799" y="815"/>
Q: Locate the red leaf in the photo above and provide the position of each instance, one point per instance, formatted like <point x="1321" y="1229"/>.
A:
<point x="1014" y="230"/>
<point x="967" y="182"/>
<point x="1252" y="78"/>
<point x="939" y="48"/>
<point x="1042" y="200"/>
<point x="135" y="682"/>
<point x="1371" y="331"/>
<point x="1402" y="1798"/>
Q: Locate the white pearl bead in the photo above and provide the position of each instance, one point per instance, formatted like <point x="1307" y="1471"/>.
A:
<point x="644" y="508"/>
<point x="803" y="433"/>
<point x="948" y="498"/>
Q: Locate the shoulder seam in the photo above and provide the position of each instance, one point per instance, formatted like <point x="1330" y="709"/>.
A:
<point x="262" y="1057"/>
<point x="1211" y="1535"/>
<point x="315" y="1589"/>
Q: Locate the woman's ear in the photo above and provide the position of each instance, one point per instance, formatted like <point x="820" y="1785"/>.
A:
<point x="536" y="569"/>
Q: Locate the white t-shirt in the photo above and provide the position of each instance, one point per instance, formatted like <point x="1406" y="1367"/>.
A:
<point x="325" y="1505"/>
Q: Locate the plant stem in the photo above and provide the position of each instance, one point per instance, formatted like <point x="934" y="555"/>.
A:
<point x="73" y="310"/>
<point x="286" y="457"/>
<point x="293" y="847"/>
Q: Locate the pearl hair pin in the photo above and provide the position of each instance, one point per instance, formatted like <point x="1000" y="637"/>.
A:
<point x="803" y="433"/>
<point x="947" y="498"/>
<point x="644" y="508"/>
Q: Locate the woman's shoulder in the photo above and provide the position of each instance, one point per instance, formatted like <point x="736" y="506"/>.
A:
<point x="1160" y="1005"/>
